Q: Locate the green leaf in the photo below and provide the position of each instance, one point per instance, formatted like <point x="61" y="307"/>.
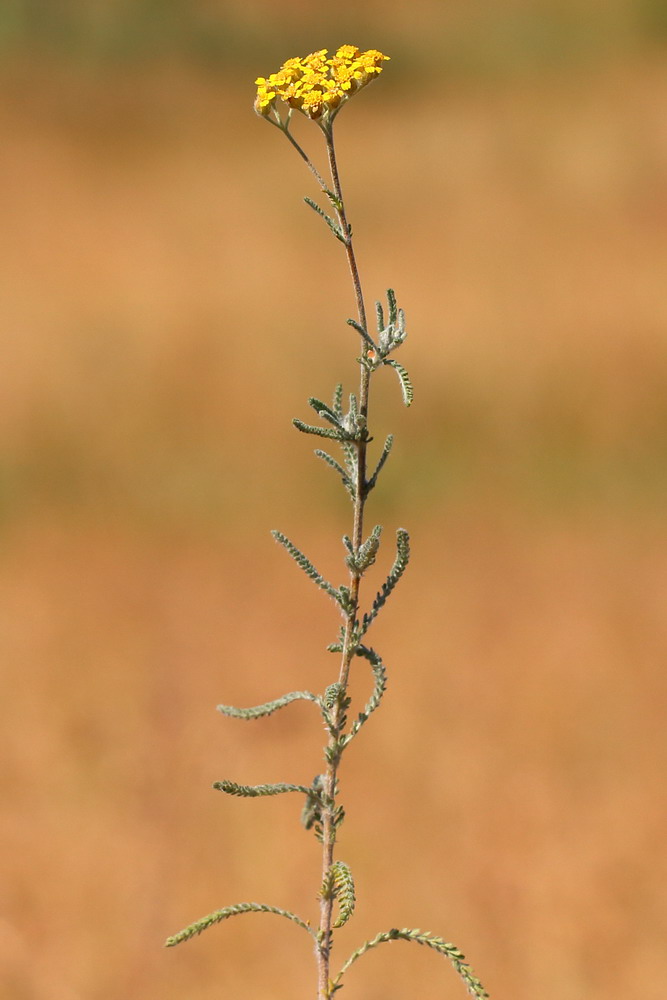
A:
<point x="344" y="890"/>
<point x="383" y="458"/>
<point x="445" y="948"/>
<point x="363" y="333"/>
<point x="257" y="791"/>
<point x="337" y="404"/>
<point x="339" y="884"/>
<point x="332" y="463"/>
<point x="394" y="333"/>
<point x="333" y="226"/>
<point x="232" y="911"/>
<point x="379" y="316"/>
<point x="259" y="711"/>
<point x="325" y="432"/>
<point x="305" y="564"/>
<point x="404" y="379"/>
<point x="324" y="411"/>
<point x="391" y="300"/>
<point x="358" y="562"/>
<point x="380" y="674"/>
<point x="395" y="574"/>
<point x="311" y="814"/>
<point x="333" y="706"/>
<point x="334" y="199"/>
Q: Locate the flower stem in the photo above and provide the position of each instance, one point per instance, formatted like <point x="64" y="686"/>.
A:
<point x="284" y="128"/>
<point x="324" y="935"/>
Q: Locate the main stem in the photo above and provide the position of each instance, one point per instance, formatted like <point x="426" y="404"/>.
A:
<point x="349" y="641"/>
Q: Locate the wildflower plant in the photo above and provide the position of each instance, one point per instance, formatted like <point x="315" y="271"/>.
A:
<point x="318" y="88"/>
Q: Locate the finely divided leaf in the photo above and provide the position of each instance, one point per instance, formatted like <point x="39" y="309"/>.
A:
<point x="323" y="432"/>
<point x="383" y="458"/>
<point x="404" y="379"/>
<point x="259" y="711"/>
<point x="379" y="315"/>
<point x="324" y="411"/>
<point x="333" y="226"/>
<point x="358" y="562"/>
<point x="363" y="333"/>
<point x="337" y="405"/>
<point x="257" y="791"/>
<point x="391" y="300"/>
<point x="380" y="674"/>
<point x="337" y="467"/>
<point x="339" y="884"/>
<point x="305" y="564"/>
<point x="232" y="911"/>
<point x="450" y="951"/>
<point x="395" y="574"/>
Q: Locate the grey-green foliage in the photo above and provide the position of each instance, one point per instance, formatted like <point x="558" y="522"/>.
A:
<point x="404" y="379"/>
<point x="380" y="675"/>
<point x="258" y="791"/>
<point x="337" y="467"/>
<point x="232" y="911"/>
<point x="338" y="884"/>
<point x="311" y="814"/>
<point x="389" y="337"/>
<point x="349" y="431"/>
<point x="395" y="574"/>
<point x="304" y="563"/>
<point x="379" y="467"/>
<point x="359" y="560"/>
<point x="445" y="948"/>
<point x="268" y="708"/>
<point x="333" y="226"/>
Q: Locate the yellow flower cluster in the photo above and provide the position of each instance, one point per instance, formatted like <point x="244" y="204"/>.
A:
<point x="316" y="85"/>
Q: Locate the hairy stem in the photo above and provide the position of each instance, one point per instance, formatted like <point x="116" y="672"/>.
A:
<point x="349" y="640"/>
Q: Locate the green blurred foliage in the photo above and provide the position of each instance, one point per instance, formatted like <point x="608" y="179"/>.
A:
<point x="462" y="38"/>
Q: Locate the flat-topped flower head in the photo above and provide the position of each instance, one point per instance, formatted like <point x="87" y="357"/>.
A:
<point x="316" y="85"/>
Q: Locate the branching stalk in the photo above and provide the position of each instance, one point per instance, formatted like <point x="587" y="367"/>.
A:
<point x="319" y="88"/>
<point x="349" y="648"/>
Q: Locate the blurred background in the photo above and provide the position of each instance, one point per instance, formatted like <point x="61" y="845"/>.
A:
<point x="168" y="305"/>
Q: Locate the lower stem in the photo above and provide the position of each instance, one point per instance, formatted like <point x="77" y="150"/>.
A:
<point x="324" y="935"/>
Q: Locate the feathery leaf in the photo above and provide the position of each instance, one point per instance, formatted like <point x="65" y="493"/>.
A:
<point x="324" y="411"/>
<point x="259" y="711"/>
<point x="305" y="564"/>
<point x="334" y="227"/>
<point x="258" y="791"/>
<point x="358" y="562"/>
<point x="337" y="403"/>
<point x="379" y="316"/>
<point x="334" y="199"/>
<point x="391" y="300"/>
<point x="337" y="467"/>
<point x="311" y="814"/>
<point x="232" y="911"/>
<point x="383" y="458"/>
<point x="450" y="951"/>
<point x="323" y="432"/>
<point x="339" y="884"/>
<point x="380" y="674"/>
<point x="395" y="574"/>
<point x="363" y="333"/>
<point x="404" y="379"/>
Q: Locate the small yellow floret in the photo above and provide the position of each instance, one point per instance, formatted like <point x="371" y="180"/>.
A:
<point x="315" y="85"/>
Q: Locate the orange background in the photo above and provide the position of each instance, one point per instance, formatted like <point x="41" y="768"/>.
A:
<point x="168" y="306"/>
